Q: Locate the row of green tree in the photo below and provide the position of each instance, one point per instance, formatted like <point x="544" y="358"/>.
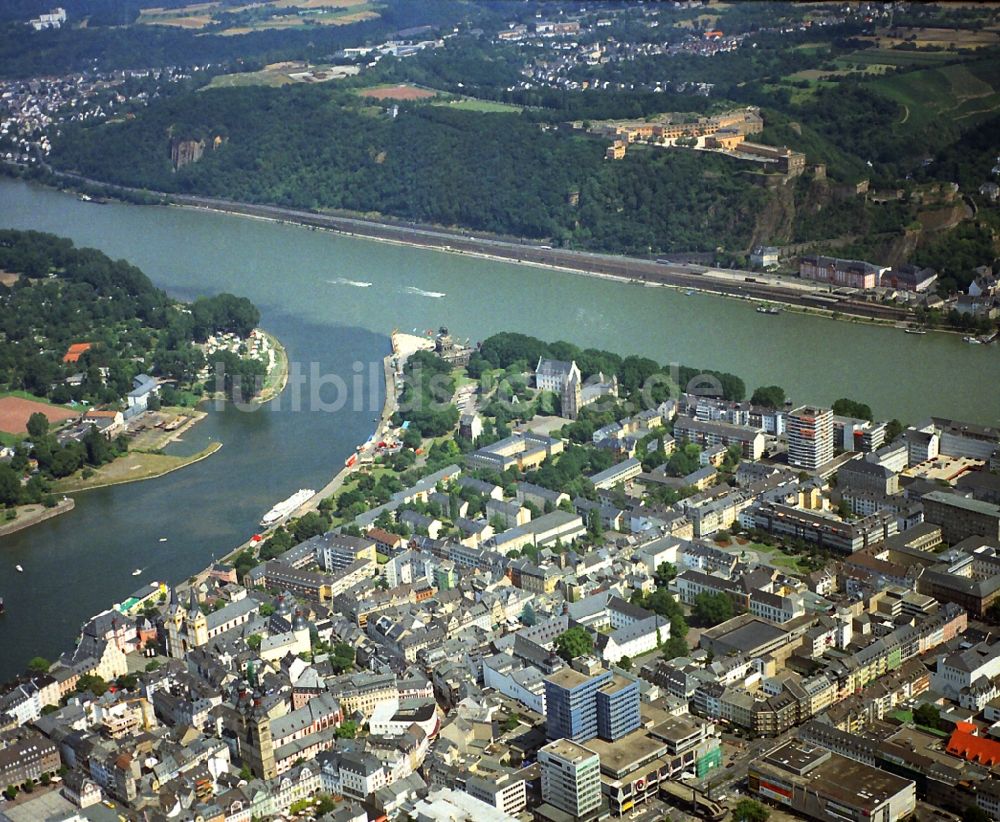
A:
<point x="425" y="401"/>
<point x="637" y="376"/>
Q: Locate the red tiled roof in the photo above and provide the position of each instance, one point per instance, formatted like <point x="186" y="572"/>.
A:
<point x="974" y="748"/>
<point x="383" y="536"/>
<point x="74" y="352"/>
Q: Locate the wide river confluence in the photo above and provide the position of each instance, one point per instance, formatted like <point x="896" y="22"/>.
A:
<point x="309" y="287"/>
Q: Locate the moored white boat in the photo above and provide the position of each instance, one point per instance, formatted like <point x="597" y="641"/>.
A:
<point x="285" y="507"/>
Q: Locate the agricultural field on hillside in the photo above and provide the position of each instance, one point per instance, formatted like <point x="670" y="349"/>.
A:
<point x="259" y="16"/>
<point x="958" y="93"/>
<point x="966" y="38"/>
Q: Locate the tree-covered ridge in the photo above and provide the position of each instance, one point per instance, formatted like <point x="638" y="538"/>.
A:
<point x="313" y="148"/>
<point x="68" y="295"/>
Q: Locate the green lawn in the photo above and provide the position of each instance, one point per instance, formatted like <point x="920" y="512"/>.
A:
<point x="776" y="557"/>
<point x="461" y="378"/>
<point x="487" y="106"/>
<point x="250" y="78"/>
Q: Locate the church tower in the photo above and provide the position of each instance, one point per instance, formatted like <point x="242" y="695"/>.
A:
<point x="197" y="624"/>
<point x="174" y="624"/>
<point x="257" y="745"/>
<point x="572" y="393"/>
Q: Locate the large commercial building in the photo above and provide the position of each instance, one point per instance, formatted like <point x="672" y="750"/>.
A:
<point x="505" y="791"/>
<point x="571" y="778"/>
<point x="581" y="706"/>
<point x="845" y="536"/>
<point x="818" y="783"/>
<point x="810" y="437"/>
<point x="833" y="270"/>
<point x="961" y="517"/>
<point x="966" y="439"/>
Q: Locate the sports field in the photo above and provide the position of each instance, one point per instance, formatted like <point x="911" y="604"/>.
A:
<point x="401" y="92"/>
<point x="15" y="411"/>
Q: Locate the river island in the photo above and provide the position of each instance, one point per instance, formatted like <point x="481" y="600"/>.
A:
<point x="102" y="372"/>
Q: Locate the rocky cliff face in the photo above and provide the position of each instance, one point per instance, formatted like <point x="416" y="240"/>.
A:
<point x="185" y="152"/>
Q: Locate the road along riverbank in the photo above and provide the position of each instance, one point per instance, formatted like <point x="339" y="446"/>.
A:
<point x="809" y="297"/>
<point x="634" y="270"/>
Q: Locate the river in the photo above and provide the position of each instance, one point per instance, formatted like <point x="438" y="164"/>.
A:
<point x="309" y="286"/>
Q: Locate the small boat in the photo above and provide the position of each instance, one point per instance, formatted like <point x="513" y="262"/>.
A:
<point x="137" y="572"/>
<point x="768" y="309"/>
<point x="3" y="607"/>
<point x="19" y="569"/>
<point x="915" y="331"/>
<point x="972" y="340"/>
<point x="689" y="293"/>
<point x="163" y="539"/>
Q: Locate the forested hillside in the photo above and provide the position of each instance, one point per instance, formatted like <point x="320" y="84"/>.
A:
<point x="492" y="172"/>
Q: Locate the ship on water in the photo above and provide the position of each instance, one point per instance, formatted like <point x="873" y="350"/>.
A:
<point x="285" y="507"/>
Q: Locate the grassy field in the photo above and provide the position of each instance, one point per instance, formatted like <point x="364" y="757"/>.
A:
<point x="251" y="78"/>
<point x="310" y="17"/>
<point x="776" y="557"/>
<point x="282" y="74"/>
<point x="132" y="467"/>
<point x="25" y="395"/>
<point x="972" y="37"/>
<point x="488" y="106"/>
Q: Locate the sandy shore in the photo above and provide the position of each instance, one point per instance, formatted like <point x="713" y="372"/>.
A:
<point x="277" y="378"/>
